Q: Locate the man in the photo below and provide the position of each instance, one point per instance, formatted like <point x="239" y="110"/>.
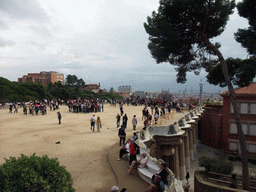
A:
<point x="124" y="150"/>
<point x="93" y="119"/>
<point x="162" y="172"/>
<point x="125" y="119"/>
<point x="133" y="151"/>
<point x="121" y="110"/>
<point x="122" y="135"/>
<point x="134" y="122"/>
<point x="118" y="117"/>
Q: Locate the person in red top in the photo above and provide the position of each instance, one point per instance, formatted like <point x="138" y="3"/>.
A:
<point x="133" y="149"/>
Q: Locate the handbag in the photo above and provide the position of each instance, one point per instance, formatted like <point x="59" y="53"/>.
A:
<point x="138" y="150"/>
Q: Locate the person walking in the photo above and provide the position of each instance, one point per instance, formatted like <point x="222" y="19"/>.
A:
<point x="118" y="117"/>
<point x="122" y="135"/>
<point x="134" y="122"/>
<point x="93" y="119"/>
<point x="98" y="123"/>
<point x="125" y="119"/>
<point x="59" y="117"/>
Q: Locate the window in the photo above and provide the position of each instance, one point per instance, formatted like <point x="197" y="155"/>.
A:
<point x="245" y="128"/>
<point x="244" y="108"/>
<point x="253" y="108"/>
<point x="233" y="128"/>
<point x="233" y="146"/>
<point x="58" y="76"/>
<point x="251" y="148"/>
<point x="252" y="130"/>
<point x="231" y="108"/>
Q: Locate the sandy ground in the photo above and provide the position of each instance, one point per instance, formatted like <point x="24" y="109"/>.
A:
<point x="83" y="152"/>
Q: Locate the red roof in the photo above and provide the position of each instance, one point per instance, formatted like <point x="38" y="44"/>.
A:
<point x="249" y="90"/>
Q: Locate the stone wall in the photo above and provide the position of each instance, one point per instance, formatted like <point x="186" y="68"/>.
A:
<point x="200" y="185"/>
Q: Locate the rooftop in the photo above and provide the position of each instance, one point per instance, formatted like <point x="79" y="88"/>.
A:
<point x="243" y="91"/>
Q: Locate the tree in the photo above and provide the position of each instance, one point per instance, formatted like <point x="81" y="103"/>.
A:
<point x="241" y="72"/>
<point x="71" y="80"/>
<point x="111" y="90"/>
<point x="247" y="37"/>
<point x="180" y="34"/>
<point x="34" y="174"/>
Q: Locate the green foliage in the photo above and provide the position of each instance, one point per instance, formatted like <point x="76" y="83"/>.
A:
<point x="34" y="174"/>
<point x="214" y="164"/>
<point x="179" y="32"/>
<point x="241" y="72"/>
<point x="13" y="91"/>
<point x="247" y="37"/>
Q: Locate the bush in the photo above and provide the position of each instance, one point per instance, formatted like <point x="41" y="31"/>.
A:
<point x="34" y="174"/>
<point x="214" y="164"/>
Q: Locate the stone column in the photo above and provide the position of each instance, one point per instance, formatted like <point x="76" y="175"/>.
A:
<point x="187" y="150"/>
<point x="177" y="166"/>
<point x="182" y="160"/>
<point x="191" y="145"/>
<point x="194" y="138"/>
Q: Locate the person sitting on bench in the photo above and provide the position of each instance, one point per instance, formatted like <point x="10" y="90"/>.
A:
<point x="141" y="163"/>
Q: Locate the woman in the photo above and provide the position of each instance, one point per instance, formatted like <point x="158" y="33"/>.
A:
<point x="98" y="123"/>
<point x="140" y="163"/>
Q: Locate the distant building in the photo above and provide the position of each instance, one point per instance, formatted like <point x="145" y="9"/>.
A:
<point x="141" y="94"/>
<point x="125" y="95"/>
<point x="218" y="127"/>
<point x="43" y="77"/>
<point x="125" y="89"/>
<point x="93" y="87"/>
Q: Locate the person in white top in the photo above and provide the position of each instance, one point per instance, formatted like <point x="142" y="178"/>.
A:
<point x="141" y="163"/>
<point x="93" y="119"/>
<point x="134" y="122"/>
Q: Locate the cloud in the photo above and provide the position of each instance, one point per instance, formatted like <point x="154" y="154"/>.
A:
<point x="25" y="9"/>
<point x="6" y="42"/>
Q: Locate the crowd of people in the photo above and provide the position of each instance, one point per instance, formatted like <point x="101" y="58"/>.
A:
<point x="85" y="106"/>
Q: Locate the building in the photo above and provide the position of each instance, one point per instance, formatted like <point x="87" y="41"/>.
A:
<point x="219" y="127"/>
<point x="125" y="95"/>
<point x="43" y="77"/>
<point x="93" y="87"/>
<point x="125" y="89"/>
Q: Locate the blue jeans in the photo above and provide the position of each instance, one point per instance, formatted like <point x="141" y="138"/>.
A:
<point x="92" y="126"/>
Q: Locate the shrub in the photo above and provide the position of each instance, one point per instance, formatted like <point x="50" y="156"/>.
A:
<point x="214" y="164"/>
<point x="34" y="174"/>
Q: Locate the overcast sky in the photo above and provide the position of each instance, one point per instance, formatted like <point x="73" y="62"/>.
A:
<point x="98" y="40"/>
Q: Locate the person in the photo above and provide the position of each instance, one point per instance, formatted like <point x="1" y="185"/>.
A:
<point x="187" y="177"/>
<point x="151" y="188"/>
<point x="125" y="119"/>
<point x="114" y="189"/>
<point x="93" y="119"/>
<point x="233" y="181"/>
<point x="156" y="116"/>
<point x="122" y="135"/>
<point x="121" y="110"/>
<point x="162" y="172"/>
<point x="133" y="151"/>
<point x="134" y="122"/>
<point x="10" y="108"/>
<point x="98" y="123"/>
<point x="141" y="163"/>
<point x="135" y="136"/>
<point x="118" y="117"/>
<point x="124" y="150"/>
<point x="158" y="183"/>
<point x="59" y="117"/>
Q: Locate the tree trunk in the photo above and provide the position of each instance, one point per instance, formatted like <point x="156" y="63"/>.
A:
<point x="236" y="112"/>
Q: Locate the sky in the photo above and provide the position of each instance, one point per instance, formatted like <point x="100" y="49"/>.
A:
<point x="100" y="41"/>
